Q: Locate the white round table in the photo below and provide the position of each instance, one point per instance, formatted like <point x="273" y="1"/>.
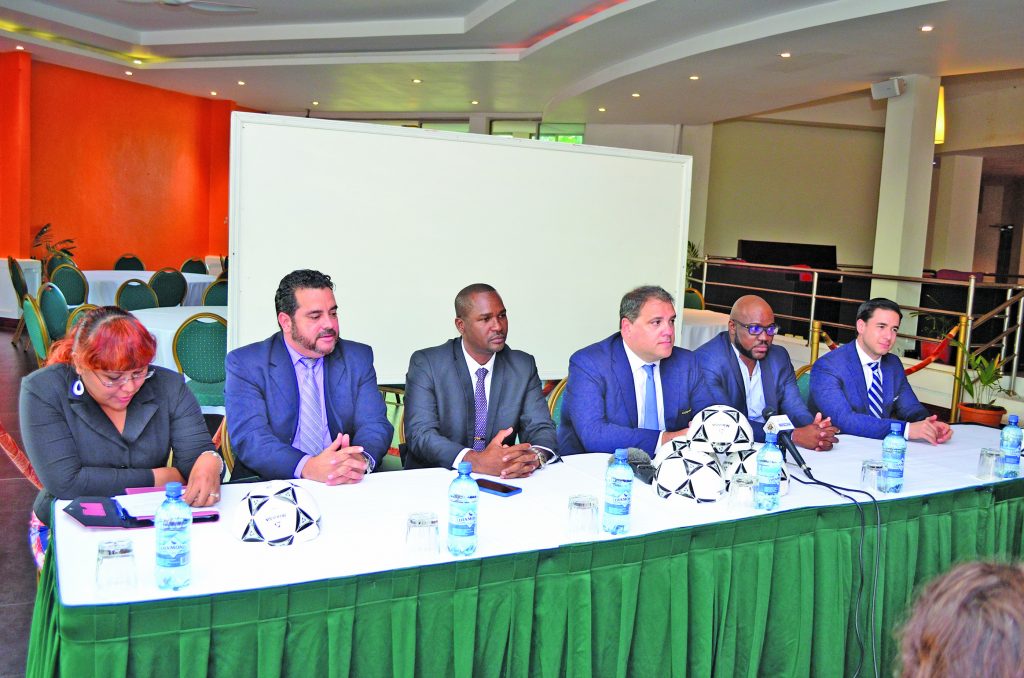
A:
<point x="699" y="327"/>
<point x="103" y="285"/>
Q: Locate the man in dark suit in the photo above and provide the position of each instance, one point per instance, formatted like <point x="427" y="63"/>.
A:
<point x="862" y="387"/>
<point x="635" y="388"/>
<point x="304" y="403"/>
<point x="470" y="398"/>
<point x="743" y="368"/>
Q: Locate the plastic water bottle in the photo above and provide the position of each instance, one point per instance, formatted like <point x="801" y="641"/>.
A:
<point x="894" y="453"/>
<point x="463" y="495"/>
<point x="618" y="494"/>
<point x="769" y="474"/>
<point x="1009" y="445"/>
<point x="173" y="541"/>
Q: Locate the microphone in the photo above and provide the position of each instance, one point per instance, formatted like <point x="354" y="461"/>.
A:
<point x="640" y="462"/>
<point x="781" y="426"/>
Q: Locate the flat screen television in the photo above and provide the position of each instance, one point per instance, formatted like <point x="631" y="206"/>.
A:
<point x="787" y="253"/>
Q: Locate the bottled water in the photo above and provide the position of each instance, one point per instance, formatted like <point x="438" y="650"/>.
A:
<point x="618" y="494"/>
<point x="769" y="474"/>
<point x="463" y="494"/>
<point x="1009" y="445"/>
<point x="173" y="540"/>
<point x="894" y="453"/>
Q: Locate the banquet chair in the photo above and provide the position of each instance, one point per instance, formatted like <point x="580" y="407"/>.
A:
<point x="18" y="457"/>
<point x="394" y="397"/>
<point x="216" y="293"/>
<point x="692" y="298"/>
<point x="20" y="292"/>
<point x="200" y="346"/>
<point x="72" y="283"/>
<point x="55" y="262"/>
<point x="129" y="262"/>
<point x="223" y="444"/>
<point x="555" y="402"/>
<point x="194" y="265"/>
<point x="803" y="382"/>
<point x="77" y="314"/>
<point x="170" y="287"/>
<point x="54" y="308"/>
<point x="36" y="329"/>
<point x="134" y="294"/>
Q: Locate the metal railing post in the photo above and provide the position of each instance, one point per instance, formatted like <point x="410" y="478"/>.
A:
<point x="814" y="298"/>
<point x="1016" y="345"/>
<point x="970" y="314"/>
<point x="1006" y="325"/>
<point x="958" y="371"/>
<point x="704" y="279"/>
<point x="815" y="340"/>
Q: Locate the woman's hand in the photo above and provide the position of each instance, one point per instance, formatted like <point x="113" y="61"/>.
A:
<point x="204" y="481"/>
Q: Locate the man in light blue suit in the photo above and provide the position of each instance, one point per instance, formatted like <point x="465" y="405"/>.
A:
<point x="635" y="388"/>
<point x="743" y="368"/>
<point x="862" y="387"/>
<point x="304" y="403"/>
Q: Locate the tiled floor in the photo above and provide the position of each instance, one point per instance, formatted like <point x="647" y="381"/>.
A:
<point x="17" y="573"/>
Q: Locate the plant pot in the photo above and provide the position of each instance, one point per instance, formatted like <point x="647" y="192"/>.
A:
<point x="928" y="348"/>
<point x="989" y="415"/>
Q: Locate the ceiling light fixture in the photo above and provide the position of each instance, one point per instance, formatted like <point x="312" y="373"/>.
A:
<point x="475" y="102"/>
<point x="137" y="62"/>
<point x="785" y="55"/>
<point x="213" y="94"/>
<point x="694" y="77"/>
<point x="635" y="95"/>
<point x="416" y="81"/>
<point x="316" y="103"/>
<point x="127" y="72"/>
<point x="927" y="28"/>
<point x="242" y="83"/>
<point x="20" y="48"/>
<point x="601" y="109"/>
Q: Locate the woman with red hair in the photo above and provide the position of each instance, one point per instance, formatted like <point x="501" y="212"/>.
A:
<point x="99" y="419"/>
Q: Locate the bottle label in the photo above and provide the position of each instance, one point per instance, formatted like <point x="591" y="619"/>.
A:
<point x="462" y="523"/>
<point x="618" y="496"/>
<point x="173" y="553"/>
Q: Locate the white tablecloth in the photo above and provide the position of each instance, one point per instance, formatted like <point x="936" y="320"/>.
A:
<point x="363" y="525"/>
<point x="103" y="285"/>
<point x="698" y="327"/>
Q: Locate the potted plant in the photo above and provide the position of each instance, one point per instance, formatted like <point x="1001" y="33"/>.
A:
<point x="982" y="382"/>
<point x="933" y="325"/>
<point x="52" y="248"/>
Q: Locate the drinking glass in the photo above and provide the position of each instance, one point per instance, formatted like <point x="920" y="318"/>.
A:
<point x="421" y="534"/>
<point x="115" y="566"/>
<point x="583" y="517"/>
<point x="873" y="476"/>
<point x="741" y="492"/>
<point x="990" y="464"/>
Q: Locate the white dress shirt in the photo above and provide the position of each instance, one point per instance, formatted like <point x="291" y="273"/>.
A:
<point x="754" y="389"/>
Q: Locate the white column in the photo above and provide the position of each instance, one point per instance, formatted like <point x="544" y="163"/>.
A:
<point x="956" y="212"/>
<point x="696" y="142"/>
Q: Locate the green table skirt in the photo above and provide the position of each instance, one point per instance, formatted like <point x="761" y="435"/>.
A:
<point x="768" y="596"/>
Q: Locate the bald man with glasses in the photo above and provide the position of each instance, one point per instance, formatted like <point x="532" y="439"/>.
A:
<point x="744" y="369"/>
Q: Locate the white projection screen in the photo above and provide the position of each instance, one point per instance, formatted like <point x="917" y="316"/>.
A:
<point x="402" y="219"/>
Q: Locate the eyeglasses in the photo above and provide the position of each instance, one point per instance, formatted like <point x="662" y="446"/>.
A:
<point x="139" y="375"/>
<point x="754" y="329"/>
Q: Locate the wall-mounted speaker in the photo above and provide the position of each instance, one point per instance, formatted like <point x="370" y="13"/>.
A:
<point x="893" y="87"/>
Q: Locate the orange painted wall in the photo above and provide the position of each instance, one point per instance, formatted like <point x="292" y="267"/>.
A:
<point x="122" y="167"/>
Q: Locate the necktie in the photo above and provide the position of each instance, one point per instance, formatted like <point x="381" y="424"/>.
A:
<point x="480" y="406"/>
<point x="311" y="424"/>
<point x="650" y="401"/>
<point x="875" y="392"/>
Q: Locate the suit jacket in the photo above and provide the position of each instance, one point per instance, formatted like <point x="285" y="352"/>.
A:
<point x="599" y="410"/>
<point x="262" y="400"/>
<point x="440" y="411"/>
<point x="838" y="390"/>
<point x="77" y="451"/>
<point x="725" y="381"/>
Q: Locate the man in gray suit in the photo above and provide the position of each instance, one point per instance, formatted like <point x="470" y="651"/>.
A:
<point x="471" y="397"/>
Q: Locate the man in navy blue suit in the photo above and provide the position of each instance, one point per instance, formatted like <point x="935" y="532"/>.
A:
<point x="744" y="369"/>
<point x="304" y="403"/>
<point x="863" y="387"/>
<point x="635" y="388"/>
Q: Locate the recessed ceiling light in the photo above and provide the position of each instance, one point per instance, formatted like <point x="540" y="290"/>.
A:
<point x="137" y="62"/>
<point x="213" y="94"/>
<point x="241" y="82"/>
<point x="20" y="48"/>
<point x="785" y="55"/>
<point x="602" y="109"/>
<point x="416" y="81"/>
<point x="127" y="72"/>
<point x="635" y="95"/>
<point x="316" y="103"/>
<point x="694" y="77"/>
<point x="475" y="102"/>
<point x="927" y="28"/>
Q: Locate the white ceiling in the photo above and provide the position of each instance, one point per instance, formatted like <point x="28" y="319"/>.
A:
<point x="561" y="59"/>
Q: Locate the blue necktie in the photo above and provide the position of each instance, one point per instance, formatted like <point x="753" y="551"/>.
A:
<point x="650" y="401"/>
<point x="311" y="423"/>
<point x="480" y="414"/>
<point x="875" y="392"/>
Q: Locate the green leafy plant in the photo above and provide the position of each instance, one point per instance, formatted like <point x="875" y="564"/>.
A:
<point x="693" y="268"/>
<point x="44" y="238"/>
<point x="981" y="378"/>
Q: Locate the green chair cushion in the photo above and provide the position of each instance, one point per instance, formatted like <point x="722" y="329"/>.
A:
<point x="208" y="395"/>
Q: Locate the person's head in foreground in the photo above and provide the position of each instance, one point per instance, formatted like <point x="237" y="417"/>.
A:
<point x="968" y="622"/>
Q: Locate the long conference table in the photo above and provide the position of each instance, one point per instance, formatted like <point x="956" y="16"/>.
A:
<point x="694" y="589"/>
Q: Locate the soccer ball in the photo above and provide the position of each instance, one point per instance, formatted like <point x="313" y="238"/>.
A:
<point x="745" y="461"/>
<point x="689" y="473"/>
<point x="721" y="430"/>
<point x="278" y="513"/>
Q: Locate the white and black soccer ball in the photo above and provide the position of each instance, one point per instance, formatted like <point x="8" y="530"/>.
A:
<point x="745" y="461"/>
<point x="278" y="513"/>
<point x="690" y="473"/>
<point x="720" y="430"/>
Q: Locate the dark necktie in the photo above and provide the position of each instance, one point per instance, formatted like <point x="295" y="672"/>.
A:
<point x="875" y="392"/>
<point x="480" y="405"/>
